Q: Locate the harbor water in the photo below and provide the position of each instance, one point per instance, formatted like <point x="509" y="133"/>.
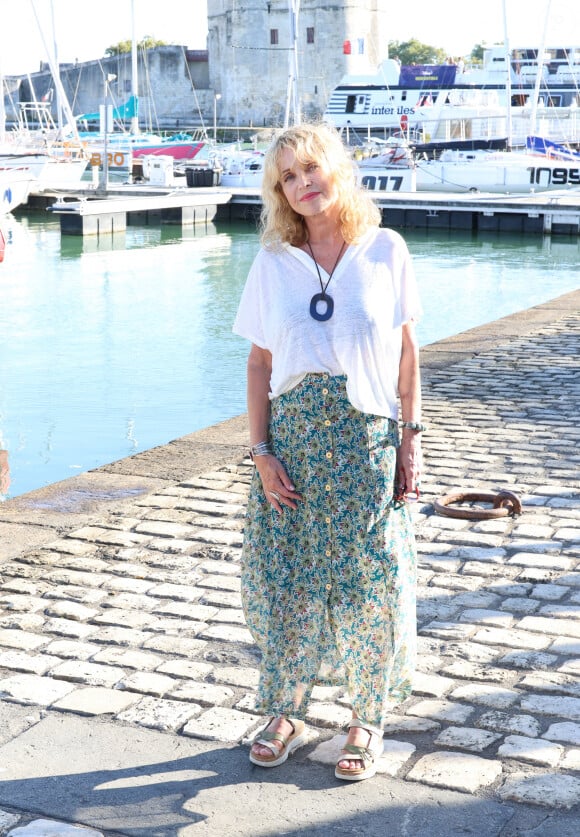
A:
<point x="111" y="346"/>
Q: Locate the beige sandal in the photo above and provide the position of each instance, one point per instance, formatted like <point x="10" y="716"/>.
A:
<point x="289" y="743"/>
<point x="368" y="755"/>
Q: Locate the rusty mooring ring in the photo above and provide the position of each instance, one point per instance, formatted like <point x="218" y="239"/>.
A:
<point x="504" y="503"/>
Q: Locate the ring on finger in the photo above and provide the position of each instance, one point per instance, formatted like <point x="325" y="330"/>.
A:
<point x="275" y="495"/>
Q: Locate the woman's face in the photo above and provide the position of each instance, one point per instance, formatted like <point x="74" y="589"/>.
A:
<point x="308" y="186"/>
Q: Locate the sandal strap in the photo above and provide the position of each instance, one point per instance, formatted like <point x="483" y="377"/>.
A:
<point x="263" y="743"/>
<point x="265" y="738"/>
<point x="274" y="736"/>
<point x="360" y="754"/>
<point x="368" y="754"/>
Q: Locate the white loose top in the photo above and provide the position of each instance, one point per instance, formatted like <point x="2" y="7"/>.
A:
<point x="374" y="292"/>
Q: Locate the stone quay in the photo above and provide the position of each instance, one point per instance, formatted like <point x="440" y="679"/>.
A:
<point x="128" y="676"/>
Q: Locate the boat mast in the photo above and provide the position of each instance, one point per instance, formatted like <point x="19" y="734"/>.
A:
<point x="292" y="97"/>
<point x="2" y="108"/>
<point x="508" y="83"/>
<point x="539" y="73"/>
<point x="64" y="106"/>
<point x="134" y="78"/>
<point x="55" y="58"/>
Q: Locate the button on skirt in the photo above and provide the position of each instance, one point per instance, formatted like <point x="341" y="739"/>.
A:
<point x="328" y="589"/>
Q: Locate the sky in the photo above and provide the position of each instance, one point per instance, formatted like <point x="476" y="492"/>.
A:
<point x="84" y="29"/>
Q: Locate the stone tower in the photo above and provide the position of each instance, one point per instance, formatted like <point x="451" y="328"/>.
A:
<point x="250" y="43"/>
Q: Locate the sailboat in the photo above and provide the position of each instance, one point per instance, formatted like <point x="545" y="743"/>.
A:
<point x="539" y="168"/>
<point x="58" y="157"/>
<point x="532" y="170"/>
<point x="117" y="149"/>
<point x="124" y="147"/>
<point x="19" y="168"/>
<point x="51" y="150"/>
<point x="504" y="172"/>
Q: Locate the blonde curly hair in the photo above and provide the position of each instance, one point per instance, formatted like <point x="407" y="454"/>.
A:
<point x="279" y="223"/>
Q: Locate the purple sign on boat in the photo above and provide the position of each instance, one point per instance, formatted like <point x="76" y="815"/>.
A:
<point x="427" y="75"/>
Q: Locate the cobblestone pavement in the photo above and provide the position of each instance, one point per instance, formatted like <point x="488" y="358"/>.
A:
<point x="139" y="617"/>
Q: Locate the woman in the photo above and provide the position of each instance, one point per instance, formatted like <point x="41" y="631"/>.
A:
<point x="328" y="578"/>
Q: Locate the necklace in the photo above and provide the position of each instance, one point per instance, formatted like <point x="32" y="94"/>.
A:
<point x="323" y="296"/>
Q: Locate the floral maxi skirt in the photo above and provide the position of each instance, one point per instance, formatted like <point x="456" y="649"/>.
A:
<point x="328" y="589"/>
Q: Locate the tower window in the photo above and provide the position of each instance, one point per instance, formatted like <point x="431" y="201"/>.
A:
<point x="310" y="34"/>
<point x="273" y="36"/>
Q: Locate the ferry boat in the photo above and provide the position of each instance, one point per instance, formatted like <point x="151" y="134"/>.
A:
<point x="450" y="105"/>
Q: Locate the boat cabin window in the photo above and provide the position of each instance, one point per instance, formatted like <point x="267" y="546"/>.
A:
<point x="559" y="54"/>
<point x="355" y="104"/>
<point x="273" y="36"/>
<point x="310" y="34"/>
<point x="404" y="96"/>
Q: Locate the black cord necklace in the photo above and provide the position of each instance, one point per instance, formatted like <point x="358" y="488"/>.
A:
<point x="323" y="296"/>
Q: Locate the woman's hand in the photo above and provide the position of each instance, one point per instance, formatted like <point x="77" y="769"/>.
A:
<point x="277" y="485"/>
<point x="409" y="459"/>
<point x="409" y="463"/>
<point x="4" y="472"/>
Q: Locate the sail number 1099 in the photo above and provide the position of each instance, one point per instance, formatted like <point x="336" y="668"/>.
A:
<point x="557" y="176"/>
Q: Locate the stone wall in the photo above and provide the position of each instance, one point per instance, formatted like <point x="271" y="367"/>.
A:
<point x="173" y="87"/>
<point x="244" y="75"/>
<point x="250" y="45"/>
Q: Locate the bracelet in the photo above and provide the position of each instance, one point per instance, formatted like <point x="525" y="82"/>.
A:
<point x="261" y="449"/>
<point x="414" y="425"/>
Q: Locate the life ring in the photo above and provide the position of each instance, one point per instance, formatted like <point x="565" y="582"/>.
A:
<point x="504" y="503"/>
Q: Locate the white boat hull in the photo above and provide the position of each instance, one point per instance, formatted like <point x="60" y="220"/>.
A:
<point x="15" y="184"/>
<point x="61" y="173"/>
<point x="14" y="157"/>
<point x="503" y="173"/>
<point x="61" y="167"/>
<point x="387" y="179"/>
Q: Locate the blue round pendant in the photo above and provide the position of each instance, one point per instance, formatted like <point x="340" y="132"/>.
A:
<point x="327" y="313"/>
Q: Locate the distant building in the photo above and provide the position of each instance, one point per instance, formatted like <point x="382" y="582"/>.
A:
<point x="243" y="77"/>
<point x="249" y="47"/>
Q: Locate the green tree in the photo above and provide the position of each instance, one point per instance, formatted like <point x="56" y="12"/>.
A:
<point x="476" y="54"/>
<point x="125" y="46"/>
<point x="414" y="52"/>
